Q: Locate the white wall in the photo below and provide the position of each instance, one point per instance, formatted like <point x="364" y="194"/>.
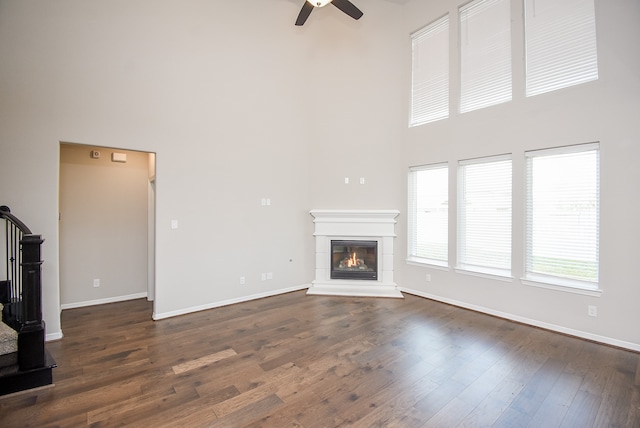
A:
<point x="607" y="111"/>
<point x="226" y="93"/>
<point x="103" y="225"/>
<point x="359" y="114"/>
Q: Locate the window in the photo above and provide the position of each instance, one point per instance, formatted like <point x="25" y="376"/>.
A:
<point x="560" y="38"/>
<point x="484" y="215"/>
<point x="563" y="188"/>
<point x="430" y="73"/>
<point x="485" y="32"/>
<point x="429" y="214"/>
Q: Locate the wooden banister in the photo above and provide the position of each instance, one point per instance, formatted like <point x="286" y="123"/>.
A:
<point x="22" y="290"/>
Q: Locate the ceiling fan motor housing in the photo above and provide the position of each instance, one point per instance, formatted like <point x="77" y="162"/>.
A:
<point x="344" y="5"/>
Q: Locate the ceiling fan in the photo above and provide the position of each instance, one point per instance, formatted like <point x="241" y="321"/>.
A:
<point x="344" y="5"/>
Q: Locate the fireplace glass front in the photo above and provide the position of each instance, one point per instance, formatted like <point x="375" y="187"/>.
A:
<point x="354" y="260"/>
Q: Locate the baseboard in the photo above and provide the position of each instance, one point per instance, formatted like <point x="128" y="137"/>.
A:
<point x="552" y="327"/>
<point x="53" y="336"/>
<point x="163" y="315"/>
<point x="103" y="301"/>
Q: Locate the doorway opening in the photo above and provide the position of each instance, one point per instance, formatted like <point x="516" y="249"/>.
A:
<point x="106" y="225"/>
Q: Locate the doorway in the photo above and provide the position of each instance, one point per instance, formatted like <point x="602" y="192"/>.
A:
<point x="106" y="225"/>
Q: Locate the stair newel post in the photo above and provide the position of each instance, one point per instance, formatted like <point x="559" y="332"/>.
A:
<point x="31" y="335"/>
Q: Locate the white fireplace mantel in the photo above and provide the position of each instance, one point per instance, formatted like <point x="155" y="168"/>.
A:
<point x="373" y="225"/>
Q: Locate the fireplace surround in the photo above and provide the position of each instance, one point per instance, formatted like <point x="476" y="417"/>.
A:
<point x="364" y="231"/>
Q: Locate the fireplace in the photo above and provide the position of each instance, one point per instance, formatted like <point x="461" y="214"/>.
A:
<point x="354" y="253"/>
<point x="354" y="259"/>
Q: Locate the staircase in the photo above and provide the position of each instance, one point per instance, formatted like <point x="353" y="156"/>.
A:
<point x="24" y="362"/>
<point x="8" y="345"/>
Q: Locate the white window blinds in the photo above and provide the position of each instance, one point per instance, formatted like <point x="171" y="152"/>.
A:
<point x="563" y="188"/>
<point x="560" y="38"/>
<point x="485" y="63"/>
<point x="430" y="73"/>
<point x="429" y="214"/>
<point x="484" y="215"/>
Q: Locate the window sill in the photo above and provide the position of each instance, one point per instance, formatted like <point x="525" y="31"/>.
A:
<point x="486" y="273"/>
<point x="435" y="264"/>
<point x="560" y="285"/>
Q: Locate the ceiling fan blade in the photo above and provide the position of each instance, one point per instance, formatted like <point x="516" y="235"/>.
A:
<point x="304" y="13"/>
<point x="347" y="7"/>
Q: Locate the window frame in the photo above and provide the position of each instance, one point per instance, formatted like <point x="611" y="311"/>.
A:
<point x="464" y="265"/>
<point x="479" y="88"/>
<point x="561" y="47"/>
<point x="423" y="109"/>
<point x="412" y="233"/>
<point x="545" y="279"/>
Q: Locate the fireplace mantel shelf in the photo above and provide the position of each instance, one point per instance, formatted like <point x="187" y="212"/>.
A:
<point x="376" y="225"/>
<point x="359" y="215"/>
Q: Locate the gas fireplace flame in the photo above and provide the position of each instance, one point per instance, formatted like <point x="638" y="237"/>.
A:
<point x="352" y="261"/>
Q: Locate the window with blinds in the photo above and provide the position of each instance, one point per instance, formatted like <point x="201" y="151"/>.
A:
<point x="430" y="73"/>
<point x="485" y="55"/>
<point x="562" y="225"/>
<point x="429" y="214"/>
<point x="560" y="39"/>
<point x="484" y="215"/>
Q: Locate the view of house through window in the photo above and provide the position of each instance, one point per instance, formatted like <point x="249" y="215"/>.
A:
<point x="563" y="216"/>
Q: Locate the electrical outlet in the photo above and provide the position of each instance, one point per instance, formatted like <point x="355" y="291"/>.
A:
<point x="96" y="283"/>
<point x="242" y="280"/>
<point x="428" y="277"/>
<point x="269" y="275"/>
<point x="592" y="311"/>
<point x="263" y="276"/>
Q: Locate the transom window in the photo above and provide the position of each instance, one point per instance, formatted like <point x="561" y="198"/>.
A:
<point x="430" y="73"/>
<point x="559" y="51"/>
<point x="560" y="38"/>
<point x="485" y="54"/>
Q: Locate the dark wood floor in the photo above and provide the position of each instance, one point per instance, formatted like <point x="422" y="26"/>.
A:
<point x="312" y="361"/>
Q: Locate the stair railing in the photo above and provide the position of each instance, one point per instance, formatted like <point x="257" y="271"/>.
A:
<point x="21" y="291"/>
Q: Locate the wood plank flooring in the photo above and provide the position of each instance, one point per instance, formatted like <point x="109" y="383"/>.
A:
<point x="314" y="361"/>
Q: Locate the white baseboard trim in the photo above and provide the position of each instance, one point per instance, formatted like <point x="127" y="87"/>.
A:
<point x="163" y="315"/>
<point x="53" y="336"/>
<point x="103" y="301"/>
<point x="557" y="328"/>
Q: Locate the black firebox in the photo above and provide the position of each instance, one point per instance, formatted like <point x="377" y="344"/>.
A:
<point x="354" y="260"/>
